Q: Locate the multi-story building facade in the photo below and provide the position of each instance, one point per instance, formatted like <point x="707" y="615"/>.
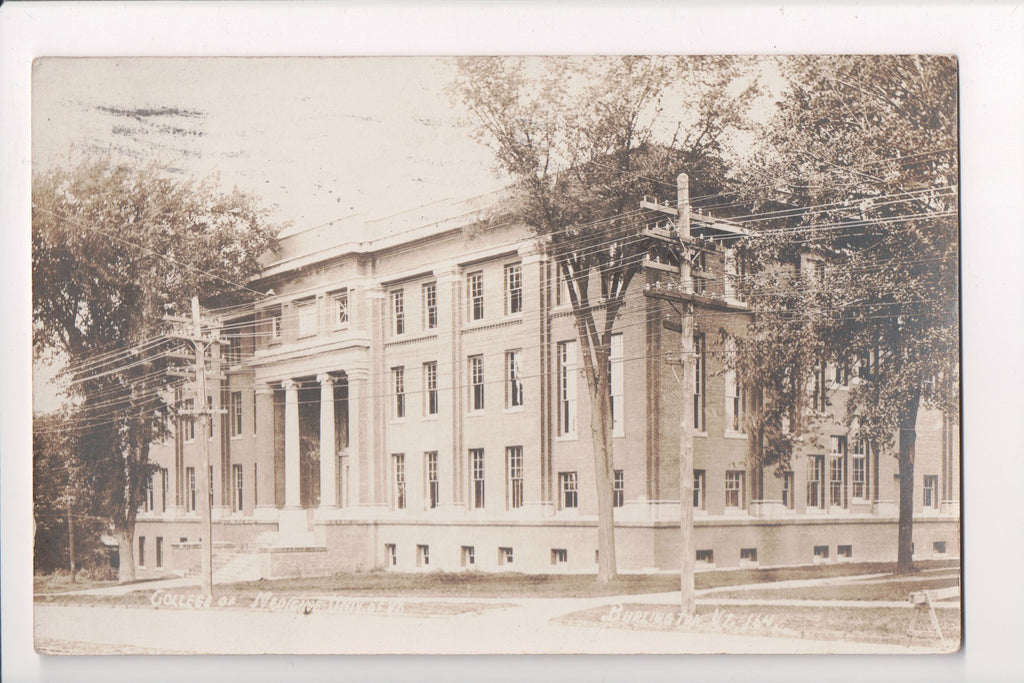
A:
<point x="410" y="395"/>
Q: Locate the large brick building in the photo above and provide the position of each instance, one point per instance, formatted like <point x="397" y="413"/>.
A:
<point x="410" y="396"/>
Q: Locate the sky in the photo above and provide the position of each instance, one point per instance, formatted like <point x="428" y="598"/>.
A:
<point x="314" y="139"/>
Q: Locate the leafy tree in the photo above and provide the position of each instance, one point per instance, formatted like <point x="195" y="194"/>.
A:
<point x="864" y="152"/>
<point x="584" y="140"/>
<point x="62" y="503"/>
<point x="112" y="246"/>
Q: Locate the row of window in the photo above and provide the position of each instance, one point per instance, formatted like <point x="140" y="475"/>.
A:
<point x="159" y="551"/>
<point x="568" y="482"/>
<point x="234" y="416"/>
<point x="513" y="376"/>
<point x="475" y="300"/>
<point x="237" y="489"/>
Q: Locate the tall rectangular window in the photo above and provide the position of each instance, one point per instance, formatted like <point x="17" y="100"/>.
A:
<point x="209" y="417"/>
<point x="430" y="399"/>
<point x="734" y="274"/>
<point x="815" y="481"/>
<point x="234" y="350"/>
<point x="513" y="289"/>
<point x="209" y="474"/>
<point x="618" y="489"/>
<point x="147" y="495"/>
<point x="476" y="295"/>
<point x="567" y="485"/>
<point x="567" y="388"/>
<point x="255" y="415"/>
<point x="476" y="378"/>
<point x="142" y="551"/>
<point x="190" y="489"/>
<point x="236" y="413"/>
<point x="698" y="273"/>
<point x="476" y="460"/>
<point x="513" y="379"/>
<point x="339" y="308"/>
<point x="189" y="423"/>
<point x="616" y="386"/>
<point x="561" y="288"/>
<point x="859" y="470"/>
<point x="433" y="484"/>
<point x="159" y="551"/>
<point x="698" y="381"/>
<point x="398" y="480"/>
<point x="305" y="311"/>
<point x="819" y="399"/>
<point x="430" y="306"/>
<point x="734" y="488"/>
<point x="698" y="489"/>
<point x="514" y="468"/>
<point x="837" y="471"/>
<point x="930" y="491"/>
<point x="276" y="328"/>
<point x="398" y="386"/>
<point x="165" y="486"/>
<point x="787" y="490"/>
<point x="733" y="393"/>
<point x="238" y="487"/>
<point x="398" y="312"/>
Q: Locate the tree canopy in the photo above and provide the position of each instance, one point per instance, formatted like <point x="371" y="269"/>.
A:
<point x="584" y="140"/>
<point x="113" y="246"/>
<point x="858" y="170"/>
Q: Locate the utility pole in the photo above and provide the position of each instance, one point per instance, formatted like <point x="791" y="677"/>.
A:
<point x="204" y="413"/>
<point x="683" y="295"/>
<point x="687" y="357"/>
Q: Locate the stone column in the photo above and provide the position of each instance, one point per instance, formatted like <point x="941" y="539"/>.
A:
<point x="328" y="448"/>
<point x="292" y="470"/>
<point x="264" y="477"/>
<point x="357" y="458"/>
<point x="536" y="457"/>
<point x="449" y="426"/>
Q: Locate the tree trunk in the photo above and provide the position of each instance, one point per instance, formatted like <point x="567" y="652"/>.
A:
<point x="907" y="442"/>
<point x="601" y="437"/>
<point x="125" y="555"/>
<point x="71" y="542"/>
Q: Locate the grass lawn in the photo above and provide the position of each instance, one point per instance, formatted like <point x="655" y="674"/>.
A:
<point x="896" y="590"/>
<point x="487" y="585"/>
<point x="871" y="625"/>
<point x="61" y="581"/>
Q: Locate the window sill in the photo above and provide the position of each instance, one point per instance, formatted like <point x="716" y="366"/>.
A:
<point x="236" y="437"/>
<point x="567" y="437"/>
<point x="734" y="435"/>
<point x="701" y="434"/>
<point x="515" y="409"/>
<point x="476" y="413"/>
<point x="431" y="417"/>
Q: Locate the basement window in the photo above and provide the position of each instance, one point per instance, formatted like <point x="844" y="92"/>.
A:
<point x="422" y="555"/>
<point x="820" y="553"/>
<point x="390" y="554"/>
<point x="504" y="556"/>
<point x="748" y="555"/>
<point x="706" y="556"/>
<point x="468" y="556"/>
<point x="844" y="552"/>
<point x="559" y="556"/>
<point x="939" y="548"/>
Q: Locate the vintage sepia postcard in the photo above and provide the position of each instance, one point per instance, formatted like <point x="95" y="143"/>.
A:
<point x="496" y="355"/>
